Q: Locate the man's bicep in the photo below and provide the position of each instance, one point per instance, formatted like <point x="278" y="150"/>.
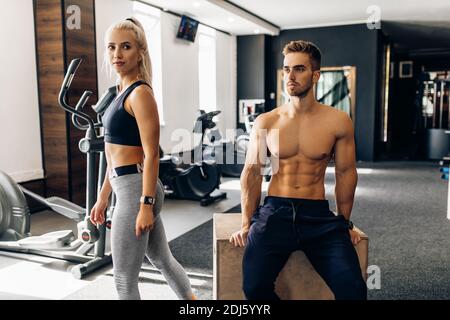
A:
<point x="345" y="157"/>
<point x="257" y="146"/>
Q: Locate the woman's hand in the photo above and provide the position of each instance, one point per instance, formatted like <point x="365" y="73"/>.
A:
<point x="98" y="211"/>
<point x="144" y="220"/>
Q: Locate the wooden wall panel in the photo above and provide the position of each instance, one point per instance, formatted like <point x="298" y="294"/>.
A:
<point x="80" y="43"/>
<point x="57" y="45"/>
<point x="50" y="54"/>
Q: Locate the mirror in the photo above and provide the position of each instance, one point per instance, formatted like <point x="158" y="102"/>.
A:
<point x="336" y="88"/>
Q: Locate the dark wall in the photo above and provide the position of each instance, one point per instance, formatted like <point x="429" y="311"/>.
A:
<point x="406" y="133"/>
<point x="254" y="65"/>
<point x="402" y="142"/>
<point x="352" y="45"/>
<point x="434" y="63"/>
<point x="251" y="67"/>
<point x="379" y="143"/>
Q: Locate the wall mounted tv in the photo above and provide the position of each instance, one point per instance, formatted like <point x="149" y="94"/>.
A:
<point x="187" y="29"/>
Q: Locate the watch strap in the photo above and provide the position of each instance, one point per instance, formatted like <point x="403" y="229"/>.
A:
<point x="350" y="224"/>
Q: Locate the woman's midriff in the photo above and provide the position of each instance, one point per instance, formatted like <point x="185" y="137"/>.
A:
<point x="119" y="155"/>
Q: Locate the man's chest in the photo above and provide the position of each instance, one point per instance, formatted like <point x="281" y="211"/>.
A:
<point x="313" y="141"/>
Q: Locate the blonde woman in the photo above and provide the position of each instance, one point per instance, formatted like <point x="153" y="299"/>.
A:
<point x="131" y="125"/>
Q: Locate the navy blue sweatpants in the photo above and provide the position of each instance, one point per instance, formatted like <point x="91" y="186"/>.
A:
<point x="284" y="225"/>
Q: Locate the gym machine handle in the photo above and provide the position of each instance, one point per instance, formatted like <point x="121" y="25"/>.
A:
<point x="205" y="121"/>
<point x="65" y="87"/>
<point x="101" y="106"/>
<point x="80" y="105"/>
<point x="105" y="100"/>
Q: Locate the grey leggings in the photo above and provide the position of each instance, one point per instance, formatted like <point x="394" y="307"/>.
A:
<point x="128" y="251"/>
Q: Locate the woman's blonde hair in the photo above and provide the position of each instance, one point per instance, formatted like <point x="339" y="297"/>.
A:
<point x="145" y="63"/>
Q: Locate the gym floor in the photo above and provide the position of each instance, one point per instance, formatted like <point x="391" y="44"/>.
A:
<point x="33" y="277"/>
<point x="401" y="206"/>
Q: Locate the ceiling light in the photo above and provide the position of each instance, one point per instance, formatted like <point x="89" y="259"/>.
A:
<point x="262" y="25"/>
<point x="230" y="19"/>
<point x="257" y="31"/>
<point x="196" y="4"/>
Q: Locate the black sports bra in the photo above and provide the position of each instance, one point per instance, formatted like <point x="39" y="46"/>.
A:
<point x="120" y="126"/>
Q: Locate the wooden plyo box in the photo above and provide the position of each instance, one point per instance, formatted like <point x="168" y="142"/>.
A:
<point x="297" y="280"/>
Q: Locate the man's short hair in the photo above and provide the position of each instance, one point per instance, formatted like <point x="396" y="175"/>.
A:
<point x="306" y="47"/>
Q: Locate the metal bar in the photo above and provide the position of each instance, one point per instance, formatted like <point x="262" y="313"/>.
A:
<point x="448" y="199"/>
<point x="81" y="270"/>
<point x="441" y="105"/>
<point x="63" y="255"/>
<point x="99" y="249"/>
<point x="434" y="105"/>
<point x="448" y="103"/>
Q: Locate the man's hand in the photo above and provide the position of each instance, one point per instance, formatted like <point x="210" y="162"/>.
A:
<point x="239" y="238"/>
<point x="355" y="235"/>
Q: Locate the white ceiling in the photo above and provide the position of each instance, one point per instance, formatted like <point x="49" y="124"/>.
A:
<point x="290" y="14"/>
<point x="207" y="12"/>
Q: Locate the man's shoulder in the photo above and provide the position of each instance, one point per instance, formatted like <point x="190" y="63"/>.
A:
<point x="338" y="119"/>
<point x="336" y="115"/>
<point x="266" y="119"/>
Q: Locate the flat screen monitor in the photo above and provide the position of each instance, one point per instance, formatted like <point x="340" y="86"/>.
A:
<point x="188" y="29"/>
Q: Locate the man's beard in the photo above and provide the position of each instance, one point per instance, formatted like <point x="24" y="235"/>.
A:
<point x="302" y="91"/>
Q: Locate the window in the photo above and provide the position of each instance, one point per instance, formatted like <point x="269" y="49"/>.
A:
<point x="151" y="20"/>
<point x="207" y="68"/>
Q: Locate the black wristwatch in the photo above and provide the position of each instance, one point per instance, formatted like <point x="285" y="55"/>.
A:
<point x="147" y="200"/>
<point x="350" y="224"/>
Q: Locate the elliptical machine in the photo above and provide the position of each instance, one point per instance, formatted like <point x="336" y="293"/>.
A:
<point x="197" y="180"/>
<point x="89" y="249"/>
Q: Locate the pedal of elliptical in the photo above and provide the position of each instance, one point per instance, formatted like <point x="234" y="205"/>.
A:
<point x="49" y="241"/>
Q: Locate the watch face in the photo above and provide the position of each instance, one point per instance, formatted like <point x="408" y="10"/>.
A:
<point x="147" y="200"/>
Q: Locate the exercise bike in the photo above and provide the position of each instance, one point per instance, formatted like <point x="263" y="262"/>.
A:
<point x="243" y="140"/>
<point x="198" y="179"/>
<point x="230" y="160"/>
<point x="88" y="250"/>
<point x="249" y="119"/>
